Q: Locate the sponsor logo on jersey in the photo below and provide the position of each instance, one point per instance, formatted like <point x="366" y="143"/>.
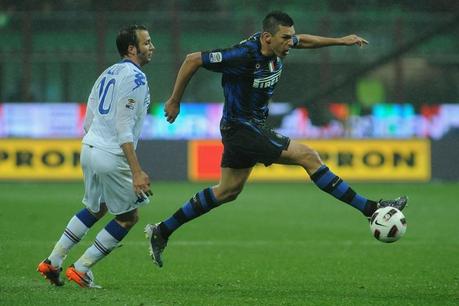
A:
<point x="130" y="104"/>
<point x="215" y="57"/>
<point x="267" y="81"/>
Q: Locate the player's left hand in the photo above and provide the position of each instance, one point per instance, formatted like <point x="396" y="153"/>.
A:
<point x="171" y="110"/>
<point x="353" y="39"/>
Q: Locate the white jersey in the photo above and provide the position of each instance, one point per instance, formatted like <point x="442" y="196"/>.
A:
<point x="117" y="107"/>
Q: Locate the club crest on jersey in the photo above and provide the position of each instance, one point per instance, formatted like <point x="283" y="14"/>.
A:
<point x="130" y="104"/>
<point x="139" y="79"/>
<point x="215" y="57"/>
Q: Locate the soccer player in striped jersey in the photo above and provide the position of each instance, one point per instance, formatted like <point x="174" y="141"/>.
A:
<point x="113" y="177"/>
<point x="250" y="71"/>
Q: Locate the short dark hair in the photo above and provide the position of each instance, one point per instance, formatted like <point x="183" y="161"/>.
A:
<point x="128" y="36"/>
<point x="274" y="19"/>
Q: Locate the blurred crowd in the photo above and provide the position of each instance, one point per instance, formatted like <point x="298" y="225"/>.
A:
<point x="225" y="6"/>
<point x="41" y="34"/>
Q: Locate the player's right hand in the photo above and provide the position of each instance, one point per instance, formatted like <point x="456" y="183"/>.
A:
<point x="353" y="39"/>
<point x="141" y="183"/>
<point x="171" y="109"/>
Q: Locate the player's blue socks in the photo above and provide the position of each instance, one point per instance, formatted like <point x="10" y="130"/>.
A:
<point x="77" y="227"/>
<point x="198" y="205"/>
<point x="106" y="240"/>
<point x="334" y="185"/>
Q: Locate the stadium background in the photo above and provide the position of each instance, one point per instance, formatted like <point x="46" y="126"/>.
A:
<point x="404" y="85"/>
<point x="385" y="116"/>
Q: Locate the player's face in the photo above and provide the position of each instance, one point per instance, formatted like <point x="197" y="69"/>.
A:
<point x="145" y="47"/>
<point x="282" y="41"/>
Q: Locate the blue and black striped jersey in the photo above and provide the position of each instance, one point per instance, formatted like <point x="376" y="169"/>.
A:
<point x="248" y="81"/>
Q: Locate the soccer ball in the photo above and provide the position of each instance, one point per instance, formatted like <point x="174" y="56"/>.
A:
<point x="388" y="224"/>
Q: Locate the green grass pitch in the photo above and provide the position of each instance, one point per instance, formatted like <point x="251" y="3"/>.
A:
<point x="278" y="244"/>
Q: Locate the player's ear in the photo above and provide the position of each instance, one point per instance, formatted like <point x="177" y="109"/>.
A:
<point x="267" y="37"/>
<point x="132" y="50"/>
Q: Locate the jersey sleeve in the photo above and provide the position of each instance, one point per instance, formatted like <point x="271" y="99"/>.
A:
<point x="89" y="117"/>
<point x="90" y="108"/>
<point x="233" y="60"/>
<point x="131" y="94"/>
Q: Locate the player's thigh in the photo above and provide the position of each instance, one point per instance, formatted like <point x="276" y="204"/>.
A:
<point x="115" y="180"/>
<point x="92" y="185"/>
<point x="128" y="219"/>
<point x="118" y="191"/>
<point x="300" y="154"/>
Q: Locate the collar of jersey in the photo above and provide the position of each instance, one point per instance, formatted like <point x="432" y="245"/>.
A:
<point x="129" y="61"/>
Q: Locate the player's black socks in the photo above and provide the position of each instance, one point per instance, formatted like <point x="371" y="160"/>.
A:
<point x="334" y="185"/>
<point x="370" y="208"/>
<point x="198" y="205"/>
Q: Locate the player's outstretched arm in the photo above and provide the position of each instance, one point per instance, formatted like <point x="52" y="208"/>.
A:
<point x="189" y="66"/>
<point x="313" y="41"/>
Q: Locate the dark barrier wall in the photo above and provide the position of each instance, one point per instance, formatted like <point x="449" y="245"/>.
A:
<point x="445" y="157"/>
<point x="164" y="160"/>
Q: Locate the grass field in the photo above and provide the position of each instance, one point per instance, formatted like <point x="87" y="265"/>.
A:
<point x="278" y="244"/>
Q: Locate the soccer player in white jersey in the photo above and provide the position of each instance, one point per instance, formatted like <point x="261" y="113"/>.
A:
<point x="113" y="178"/>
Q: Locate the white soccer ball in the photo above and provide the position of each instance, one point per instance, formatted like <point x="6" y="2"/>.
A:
<point x="388" y="224"/>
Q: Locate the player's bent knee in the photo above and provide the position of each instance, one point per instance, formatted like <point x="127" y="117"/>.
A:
<point x="102" y="211"/>
<point x="310" y="158"/>
<point x="231" y="195"/>
<point x="313" y="156"/>
<point x="128" y="220"/>
<point x="128" y="224"/>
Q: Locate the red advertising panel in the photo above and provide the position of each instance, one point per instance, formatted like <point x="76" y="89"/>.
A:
<point x="204" y="158"/>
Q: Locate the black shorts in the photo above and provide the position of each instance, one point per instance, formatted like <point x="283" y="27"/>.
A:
<point x="245" y="145"/>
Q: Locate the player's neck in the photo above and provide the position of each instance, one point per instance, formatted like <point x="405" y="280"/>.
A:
<point x="133" y="59"/>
